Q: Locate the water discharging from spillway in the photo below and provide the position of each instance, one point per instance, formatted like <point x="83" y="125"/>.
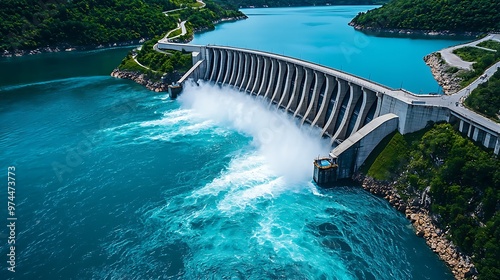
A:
<point x="214" y="185"/>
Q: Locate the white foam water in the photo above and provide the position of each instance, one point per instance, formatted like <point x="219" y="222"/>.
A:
<point x="287" y="148"/>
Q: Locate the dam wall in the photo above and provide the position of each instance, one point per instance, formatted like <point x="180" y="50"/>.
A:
<point x="341" y="105"/>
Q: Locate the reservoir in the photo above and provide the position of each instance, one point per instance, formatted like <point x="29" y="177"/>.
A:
<point x="117" y="182"/>
<point x="321" y="35"/>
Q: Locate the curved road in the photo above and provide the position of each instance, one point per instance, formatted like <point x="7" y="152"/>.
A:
<point x="453" y="60"/>
<point x="202" y="4"/>
<point x="455" y="101"/>
<point x="198" y="1"/>
<point x="182" y="25"/>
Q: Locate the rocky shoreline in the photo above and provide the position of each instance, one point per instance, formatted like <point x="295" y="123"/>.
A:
<point x="68" y="48"/>
<point x="154" y="84"/>
<point x="410" y="32"/>
<point x="143" y="79"/>
<point x="446" y="76"/>
<point x="417" y="211"/>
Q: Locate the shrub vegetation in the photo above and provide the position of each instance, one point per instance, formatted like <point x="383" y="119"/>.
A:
<point x="437" y="15"/>
<point x="464" y="185"/>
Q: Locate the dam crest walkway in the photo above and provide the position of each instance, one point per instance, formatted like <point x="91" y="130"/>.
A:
<point x="339" y="103"/>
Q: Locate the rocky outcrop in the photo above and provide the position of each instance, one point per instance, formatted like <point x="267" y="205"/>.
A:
<point x="230" y="19"/>
<point x="446" y="76"/>
<point x="416" y="209"/>
<point x="143" y="79"/>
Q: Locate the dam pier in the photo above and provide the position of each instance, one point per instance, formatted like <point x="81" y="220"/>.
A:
<point x="353" y="112"/>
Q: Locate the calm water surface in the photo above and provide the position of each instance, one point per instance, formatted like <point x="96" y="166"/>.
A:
<point x="321" y="35"/>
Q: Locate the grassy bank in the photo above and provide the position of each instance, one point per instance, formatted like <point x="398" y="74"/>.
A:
<point x="386" y="159"/>
<point x="174" y="33"/>
<point x="464" y="182"/>
<point x="482" y="60"/>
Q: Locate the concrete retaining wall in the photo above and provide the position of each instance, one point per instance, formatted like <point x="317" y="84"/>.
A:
<point x="352" y="152"/>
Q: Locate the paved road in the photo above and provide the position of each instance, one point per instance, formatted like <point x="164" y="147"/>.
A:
<point x="183" y="32"/>
<point x="169" y="11"/>
<point x="486" y="49"/>
<point x="181" y="26"/>
<point x="143" y="66"/>
<point x="155" y="47"/>
<point x="450" y="101"/>
<point x="199" y="1"/>
<point x="453" y="60"/>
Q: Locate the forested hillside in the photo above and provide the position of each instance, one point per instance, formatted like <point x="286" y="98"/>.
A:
<point x="435" y="15"/>
<point x="464" y="183"/>
<point x="30" y="24"/>
<point x="292" y="3"/>
<point x="485" y="99"/>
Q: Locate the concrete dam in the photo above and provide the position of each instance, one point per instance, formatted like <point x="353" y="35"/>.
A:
<point x="353" y="112"/>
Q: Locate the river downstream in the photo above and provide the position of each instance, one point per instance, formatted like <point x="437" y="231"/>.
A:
<point x="321" y="35"/>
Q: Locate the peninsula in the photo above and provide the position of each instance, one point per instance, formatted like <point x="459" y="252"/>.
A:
<point x="456" y="67"/>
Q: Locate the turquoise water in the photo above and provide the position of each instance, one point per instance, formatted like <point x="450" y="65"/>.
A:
<point x="116" y="182"/>
<point x="321" y="35"/>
